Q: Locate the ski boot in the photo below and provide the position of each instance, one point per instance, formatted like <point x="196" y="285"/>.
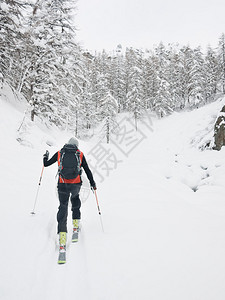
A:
<point x="76" y="228"/>
<point x="62" y="248"/>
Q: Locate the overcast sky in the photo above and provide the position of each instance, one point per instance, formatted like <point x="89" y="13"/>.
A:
<point x="103" y="24"/>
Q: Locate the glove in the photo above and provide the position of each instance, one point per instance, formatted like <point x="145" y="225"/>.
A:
<point x="93" y="186"/>
<point x="46" y="155"/>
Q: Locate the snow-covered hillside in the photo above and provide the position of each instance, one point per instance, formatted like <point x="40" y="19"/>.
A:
<point x="163" y="210"/>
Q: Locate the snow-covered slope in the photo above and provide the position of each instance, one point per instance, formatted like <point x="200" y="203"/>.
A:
<point x="162" y="206"/>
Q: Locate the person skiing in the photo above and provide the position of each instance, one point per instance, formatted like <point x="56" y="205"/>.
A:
<point x="70" y="161"/>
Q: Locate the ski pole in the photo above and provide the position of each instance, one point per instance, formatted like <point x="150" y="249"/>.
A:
<point x="33" y="211"/>
<point x="99" y="212"/>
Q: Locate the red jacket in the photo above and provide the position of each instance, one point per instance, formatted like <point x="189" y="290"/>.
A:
<point x="84" y="165"/>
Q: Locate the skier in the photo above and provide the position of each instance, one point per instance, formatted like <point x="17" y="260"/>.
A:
<point x="69" y="185"/>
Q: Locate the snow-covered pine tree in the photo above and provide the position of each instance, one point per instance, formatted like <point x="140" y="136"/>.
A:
<point x="186" y="67"/>
<point x="212" y="76"/>
<point x="117" y="78"/>
<point x="37" y="80"/>
<point x="100" y="83"/>
<point x="52" y="79"/>
<point x="221" y="60"/>
<point x="162" y="101"/>
<point x="135" y="91"/>
<point x="197" y="78"/>
<point x="109" y="109"/>
<point x="72" y="83"/>
<point x="95" y="86"/>
<point x="134" y="99"/>
<point x="11" y="37"/>
<point x="102" y="92"/>
<point x="151" y="81"/>
<point x="173" y="77"/>
<point x="86" y="112"/>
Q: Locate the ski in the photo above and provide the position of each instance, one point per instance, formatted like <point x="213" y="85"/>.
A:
<point x="62" y="255"/>
<point x="62" y="242"/>
<point x="75" y="235"/>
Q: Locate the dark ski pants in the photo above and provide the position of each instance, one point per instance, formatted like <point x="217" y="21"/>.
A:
<point x="68" y="192"/>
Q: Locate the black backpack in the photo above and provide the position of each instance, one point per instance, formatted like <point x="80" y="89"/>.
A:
<point x="69" y="166"/>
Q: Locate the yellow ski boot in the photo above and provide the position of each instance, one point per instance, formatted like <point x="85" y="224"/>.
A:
<point x="76" y="228"/>
<point x="62" y="248"/>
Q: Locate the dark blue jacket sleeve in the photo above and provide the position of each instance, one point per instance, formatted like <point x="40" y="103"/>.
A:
<point x="50" y="161"/>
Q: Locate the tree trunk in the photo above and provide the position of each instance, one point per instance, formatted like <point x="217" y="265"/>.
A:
<point x="32" y="114"/>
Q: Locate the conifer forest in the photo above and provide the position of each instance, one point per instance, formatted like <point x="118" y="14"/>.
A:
<point x="63" y="84"/>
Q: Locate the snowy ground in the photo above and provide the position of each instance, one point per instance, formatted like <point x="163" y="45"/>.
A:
<point x="163" y="210"/>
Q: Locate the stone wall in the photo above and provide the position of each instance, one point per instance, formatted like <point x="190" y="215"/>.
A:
<point x="219" y="130"/>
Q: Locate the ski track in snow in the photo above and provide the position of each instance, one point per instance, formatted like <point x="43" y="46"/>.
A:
<point x="163" y="211"/>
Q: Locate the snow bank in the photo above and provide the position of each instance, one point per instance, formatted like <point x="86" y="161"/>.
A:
<point x="163" y="211"/>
